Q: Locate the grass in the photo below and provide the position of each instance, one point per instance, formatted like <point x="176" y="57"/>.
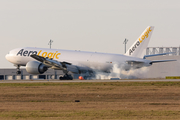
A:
<point x="103" y="114"/>
<point x="95" y="83"/>
<point x="111" y="100"/>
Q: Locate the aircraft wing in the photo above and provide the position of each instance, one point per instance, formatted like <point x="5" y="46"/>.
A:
<point x="48" y="62"/>
<point x="37" y="57"/>
<point x="65" y="66"/>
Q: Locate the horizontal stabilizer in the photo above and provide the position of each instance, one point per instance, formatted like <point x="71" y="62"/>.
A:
<point x="157" y="61"/>
<point x="157" y="54"/>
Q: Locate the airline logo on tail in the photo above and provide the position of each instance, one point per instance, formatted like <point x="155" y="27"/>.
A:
<point x="141" y="39"/>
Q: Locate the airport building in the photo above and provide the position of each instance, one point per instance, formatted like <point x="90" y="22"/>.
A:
<point x="158" y="50"/>
<point x="162" y="70"/>
<point x="157" y="70"/>
<point x="10" y="74"/>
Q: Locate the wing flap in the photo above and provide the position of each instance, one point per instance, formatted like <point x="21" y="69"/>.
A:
<point x="134" y="62"/>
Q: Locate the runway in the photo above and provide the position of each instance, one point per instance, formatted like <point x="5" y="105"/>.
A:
<point x="76" y="80"/>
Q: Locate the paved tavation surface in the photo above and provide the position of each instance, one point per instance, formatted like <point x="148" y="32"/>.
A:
<point x="124" y="80"/>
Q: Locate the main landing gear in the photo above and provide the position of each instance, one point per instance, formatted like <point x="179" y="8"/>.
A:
<point x="66" y="77"/>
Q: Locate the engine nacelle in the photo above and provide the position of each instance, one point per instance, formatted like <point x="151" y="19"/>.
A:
<point x="35" y="67"/>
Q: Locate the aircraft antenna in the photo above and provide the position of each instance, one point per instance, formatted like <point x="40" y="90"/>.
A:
<point x="125" y="42"/>
<point x="50" y="43"/>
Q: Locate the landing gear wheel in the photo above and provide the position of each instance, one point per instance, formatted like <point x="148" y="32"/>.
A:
<point x="18" y="72"/>
<point x="66" y="77"/>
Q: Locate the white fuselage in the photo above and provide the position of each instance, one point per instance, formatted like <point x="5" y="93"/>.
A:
<point x="93" y="60"/>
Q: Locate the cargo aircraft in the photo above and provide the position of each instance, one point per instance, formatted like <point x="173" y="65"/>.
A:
<point x="39" y="60"/>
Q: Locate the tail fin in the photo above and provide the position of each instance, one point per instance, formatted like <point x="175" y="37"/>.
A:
<point x="140" y="45"/>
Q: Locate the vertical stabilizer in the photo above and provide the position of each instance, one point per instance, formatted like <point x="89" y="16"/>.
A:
<point x="140" y="45"/>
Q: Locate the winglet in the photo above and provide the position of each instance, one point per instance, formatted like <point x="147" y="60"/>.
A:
<point x="140" y="45"/>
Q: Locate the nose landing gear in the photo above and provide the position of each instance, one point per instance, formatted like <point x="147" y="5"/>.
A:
<point x="18" y="72"/>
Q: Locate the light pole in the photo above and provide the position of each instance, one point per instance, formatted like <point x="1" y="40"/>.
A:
<point x="50" y="42"/>
<point x="125" y="42"/>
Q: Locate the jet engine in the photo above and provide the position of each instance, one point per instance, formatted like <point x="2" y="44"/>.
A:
<point x="35" y="67"/>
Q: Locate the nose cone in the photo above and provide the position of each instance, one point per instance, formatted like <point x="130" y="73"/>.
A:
<point x="9" y="57"/>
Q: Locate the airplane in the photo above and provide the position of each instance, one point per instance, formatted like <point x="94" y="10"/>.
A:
<point x="39" y="60"/>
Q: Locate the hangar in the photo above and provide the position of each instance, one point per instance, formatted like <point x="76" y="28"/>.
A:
<point x="162" y="70"/>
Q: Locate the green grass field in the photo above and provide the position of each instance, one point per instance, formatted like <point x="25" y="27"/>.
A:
<point x="110" y="100"/>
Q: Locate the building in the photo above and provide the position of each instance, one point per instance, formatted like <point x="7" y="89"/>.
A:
<point x="162" y="70"/>
<point x="10" y="74"/>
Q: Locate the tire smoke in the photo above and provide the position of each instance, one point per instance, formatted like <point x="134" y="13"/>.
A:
<point x="119" y="72"/>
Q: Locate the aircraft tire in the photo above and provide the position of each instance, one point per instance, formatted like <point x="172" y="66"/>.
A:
<point x="69" y="77"/>
<point x="18" y="72"/>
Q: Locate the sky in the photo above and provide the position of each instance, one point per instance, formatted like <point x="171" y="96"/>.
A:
<point x="86" y="25"/>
